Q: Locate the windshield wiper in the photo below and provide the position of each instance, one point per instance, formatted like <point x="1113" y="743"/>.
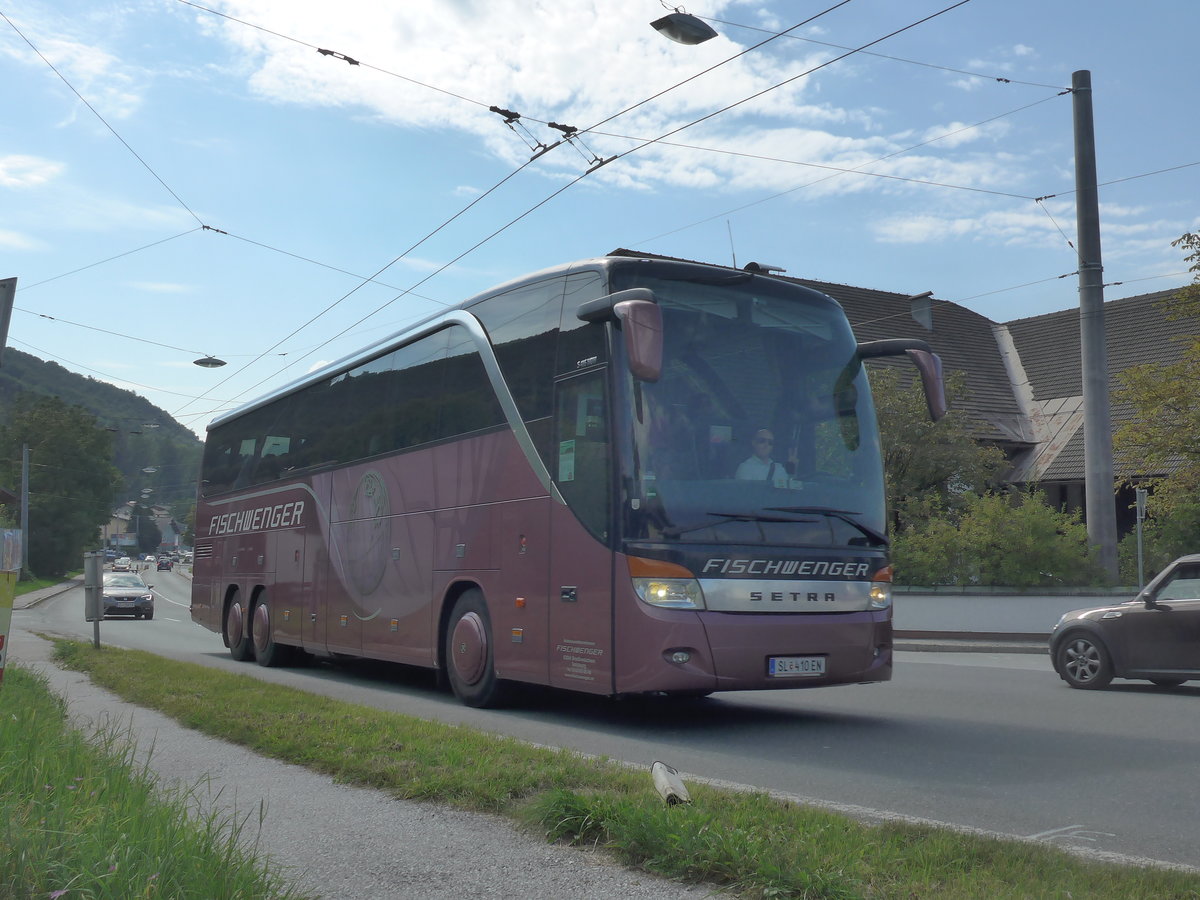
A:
<point x="677" y="530"/>
<point x="844" y="514"/>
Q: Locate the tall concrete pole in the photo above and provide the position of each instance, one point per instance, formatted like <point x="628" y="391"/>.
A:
<point x="25" y="509"/>
<point x="1101" y="512"/>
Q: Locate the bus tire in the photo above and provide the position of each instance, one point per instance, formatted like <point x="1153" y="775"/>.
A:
<point x="235" y="630"/>
<point x="469" y="653"/>
<point x="266" y="651"/>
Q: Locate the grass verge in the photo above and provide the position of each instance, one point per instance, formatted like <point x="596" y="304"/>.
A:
<point x="84" y="819"/>
<point x="36" y="584"/>
<point x="751" y="844"/>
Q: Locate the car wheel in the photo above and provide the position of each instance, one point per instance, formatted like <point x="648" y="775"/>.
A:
<point x="235" y="631"/>
<point x="468" y="655"/>
<point x="1084" y="662"/>
<point x="266" y="651"/>
<point x="149" y="614"/>
<point x="1167" y="682"/>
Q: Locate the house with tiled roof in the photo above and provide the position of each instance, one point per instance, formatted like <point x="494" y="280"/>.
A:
<point x="1023" y="377"/>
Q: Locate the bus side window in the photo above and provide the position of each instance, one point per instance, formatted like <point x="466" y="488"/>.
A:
<point x="583" y="452"/>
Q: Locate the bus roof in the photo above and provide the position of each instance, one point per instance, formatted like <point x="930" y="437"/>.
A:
<point x="398" y="338"/>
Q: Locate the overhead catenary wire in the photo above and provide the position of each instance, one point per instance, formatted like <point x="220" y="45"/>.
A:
<point x="579" y="178"/>
<point x="102" y="120"/>
<point x="568" y="131"/>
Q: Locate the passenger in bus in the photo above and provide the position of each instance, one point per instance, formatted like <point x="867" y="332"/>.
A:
<point x="759" y="466"/>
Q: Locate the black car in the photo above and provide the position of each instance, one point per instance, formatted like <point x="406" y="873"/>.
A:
<point x="164" y="564"/>
<point x="125" y="594"/>
<point x="1155" y="636"/>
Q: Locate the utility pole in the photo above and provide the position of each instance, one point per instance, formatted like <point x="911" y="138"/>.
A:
<point x="1101" y="511"/>
<point x="25" y="509"/>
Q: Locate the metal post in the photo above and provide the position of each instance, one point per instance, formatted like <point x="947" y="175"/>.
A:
<point x="25" y="509"/>
<point x="1140" y="494"/>
<point x="93" y="591"/>
<point x="1101" y="509"/>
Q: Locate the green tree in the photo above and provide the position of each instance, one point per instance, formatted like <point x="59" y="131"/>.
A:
<point x="1159" y="439"/>
<point x="1011" y="540"/>
<point x="149" y="535"/>
<point x="71" y="478"/>
<point x="932" y="468"/>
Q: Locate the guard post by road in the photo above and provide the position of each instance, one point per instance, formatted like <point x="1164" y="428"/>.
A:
<point x="93" y="591"/>
<point x="10" y="568"/>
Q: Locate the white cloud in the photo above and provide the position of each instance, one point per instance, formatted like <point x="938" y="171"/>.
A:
<point x="22" y="171"/>
<point x="14" y="240"/>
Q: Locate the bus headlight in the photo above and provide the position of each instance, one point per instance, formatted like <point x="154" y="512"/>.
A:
<point x="881" y="588"/>
<point x="677" y="593"/>
<point x="665" y="584"/>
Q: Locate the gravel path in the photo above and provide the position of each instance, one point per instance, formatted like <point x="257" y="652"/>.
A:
<point x="337" y="841"/>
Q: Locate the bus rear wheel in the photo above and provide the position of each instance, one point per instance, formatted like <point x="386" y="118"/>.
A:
<point x="266" y="651"/>
<point x="235" y="632"/>
<point x="469" y="653"/>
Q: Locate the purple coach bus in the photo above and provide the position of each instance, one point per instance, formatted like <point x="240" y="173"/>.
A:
<point x="617" y="476"/>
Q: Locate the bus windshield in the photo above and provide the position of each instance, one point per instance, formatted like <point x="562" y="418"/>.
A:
<point x="761" y="428"/>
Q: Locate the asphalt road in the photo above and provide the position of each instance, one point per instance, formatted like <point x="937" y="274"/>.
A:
<point x="989" y="741"/>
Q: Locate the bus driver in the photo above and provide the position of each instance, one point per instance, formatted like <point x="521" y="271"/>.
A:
<point x="759" y="466"/>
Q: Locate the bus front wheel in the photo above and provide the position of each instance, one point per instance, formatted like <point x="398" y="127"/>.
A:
<point x="236" y="634"/>
<point x="469" y="652"/>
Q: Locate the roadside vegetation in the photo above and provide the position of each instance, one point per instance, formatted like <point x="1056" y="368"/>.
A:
<point x="82" y="819"/>
<point x="750" y="844"/>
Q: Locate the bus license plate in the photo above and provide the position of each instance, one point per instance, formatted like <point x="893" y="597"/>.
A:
<point x="795" y="666"/>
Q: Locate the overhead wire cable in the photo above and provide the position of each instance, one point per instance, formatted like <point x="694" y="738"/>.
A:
<point x="579" y="178"/>
<point x="100" y="330"/>
<point x="598" y="162"/>
<point x="703" y="72"/>
<point x="103" y="121"/>
<point x="101" y="262"/>
<point x="117" y="378"/>
<point x="855" y="170"/>
<point x="914" y="62"/>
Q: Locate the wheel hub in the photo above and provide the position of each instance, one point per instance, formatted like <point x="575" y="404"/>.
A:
<point x="468" y="648"/>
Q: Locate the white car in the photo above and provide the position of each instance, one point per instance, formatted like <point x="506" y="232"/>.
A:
<point x="124" y="564"/>
<point x="150" y="558"/>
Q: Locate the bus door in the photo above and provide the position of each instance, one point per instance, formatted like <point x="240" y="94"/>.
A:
<point x="580" y="615"/>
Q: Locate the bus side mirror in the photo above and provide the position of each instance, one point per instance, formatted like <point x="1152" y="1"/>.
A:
<point x="928" y="363"/>
<point x="639" y="319"/>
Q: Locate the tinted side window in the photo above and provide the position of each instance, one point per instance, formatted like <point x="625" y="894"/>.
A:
<point x="523" y="327"/>
<point x="468" y="401"/>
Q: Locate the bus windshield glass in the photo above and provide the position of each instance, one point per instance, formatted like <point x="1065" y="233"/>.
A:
<point x="761" y="428"/>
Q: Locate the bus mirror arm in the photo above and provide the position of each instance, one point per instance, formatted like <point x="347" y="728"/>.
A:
<point x="639" y="318"/>
<point x="928" y="364"/>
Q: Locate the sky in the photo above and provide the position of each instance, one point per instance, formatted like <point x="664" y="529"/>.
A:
<point x="183" y="179"/>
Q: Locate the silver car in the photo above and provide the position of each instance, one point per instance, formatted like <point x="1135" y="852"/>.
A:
<point x="125" y="594"/>
<point x="1155" y="636"/>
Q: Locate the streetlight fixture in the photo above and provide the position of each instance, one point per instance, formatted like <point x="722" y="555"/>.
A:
<point x="209" y="362"/>
<point x="683" y="28"/>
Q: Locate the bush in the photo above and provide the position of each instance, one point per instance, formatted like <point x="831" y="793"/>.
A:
<point x="998" y="540"/>
<point x="1164" y="538"/>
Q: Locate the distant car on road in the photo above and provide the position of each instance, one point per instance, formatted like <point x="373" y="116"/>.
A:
<point x="149" y="557"/>
<point x="1155" y="636"/>
<point x="122" y="564"/>
<point x="164" y="564"/>
<point x="126" y="594"/>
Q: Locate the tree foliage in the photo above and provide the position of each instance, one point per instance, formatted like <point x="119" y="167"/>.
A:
<point x="1010" y="540"/>
<point x="71" y="478"/>
<point x="1160" y="438"/>
<point x="931" y="467"/>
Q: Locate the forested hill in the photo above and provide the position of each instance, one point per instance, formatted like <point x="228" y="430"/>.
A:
<point x="170" y="448"/>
